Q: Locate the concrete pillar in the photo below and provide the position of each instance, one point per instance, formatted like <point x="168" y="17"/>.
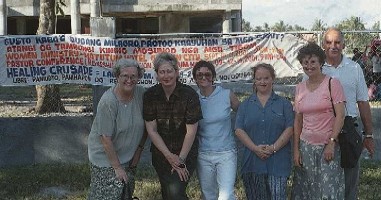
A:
<point x="3" y="17"/>
<point x="75" y="17"/>
<point x="94" y="16"/>
<point x="237" y="22"/>
<point x="227" y="23"/>
<point x="21" y="26"/>
<point x="101" y="27"/>
<point x="95" y="8"/>
<point x="174" y="23"/>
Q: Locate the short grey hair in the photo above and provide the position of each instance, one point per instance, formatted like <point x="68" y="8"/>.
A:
<point x="334" y="29"/>
<point x="124" y="63"/>
<point x="163" y="58"/>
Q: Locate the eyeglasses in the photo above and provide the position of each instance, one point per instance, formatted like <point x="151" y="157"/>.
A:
<point x="128" y="77"/>
<point x="201" y="75"/>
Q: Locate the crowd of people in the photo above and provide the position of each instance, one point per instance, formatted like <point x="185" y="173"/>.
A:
<point x="192" y="130"/>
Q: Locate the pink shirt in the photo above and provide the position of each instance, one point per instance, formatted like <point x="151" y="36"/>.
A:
<point x="316" y="107"/>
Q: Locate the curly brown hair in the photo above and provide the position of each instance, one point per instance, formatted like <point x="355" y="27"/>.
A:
<point x="309" y="50"/>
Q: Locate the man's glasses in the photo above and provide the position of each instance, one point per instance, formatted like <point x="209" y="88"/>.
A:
<point x="201" y="75"/>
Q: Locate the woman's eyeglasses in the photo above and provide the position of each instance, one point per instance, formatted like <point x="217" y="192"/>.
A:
<point x="128" y="77"/>
<point x="207" y="76"/>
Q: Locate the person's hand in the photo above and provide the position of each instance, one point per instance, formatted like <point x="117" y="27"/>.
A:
<point x="297" y="159"/>
<point x="182" y="172"/>
<point x="262" y="152"/>
<point x="329" y="151"/>
<point x="269" y="149"/>
<point x="121" y="174"/>
<point x="174" y="160"/>
<point x="369" y="145"/>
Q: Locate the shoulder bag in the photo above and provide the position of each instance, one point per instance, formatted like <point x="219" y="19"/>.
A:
<point x="349" y="139"/>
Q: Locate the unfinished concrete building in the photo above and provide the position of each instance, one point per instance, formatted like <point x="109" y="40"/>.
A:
<point x="131" y="16"/>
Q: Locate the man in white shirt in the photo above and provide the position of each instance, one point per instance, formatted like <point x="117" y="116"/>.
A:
<point x="352" y="79"/>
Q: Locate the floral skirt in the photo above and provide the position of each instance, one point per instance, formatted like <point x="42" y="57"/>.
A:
<point x="105" y="186"/>
<point x="318" y="179"/>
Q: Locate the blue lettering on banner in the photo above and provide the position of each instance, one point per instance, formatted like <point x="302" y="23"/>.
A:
<point x="50" y="39"/>
<point x="72" y="69"/>
<point x="26" y="72"/>
<point x="85" y="41"/>
<point x="137" y="43"/>
<point x="197" y="42"/>
<point x="107" y="74"/>
<point x="17" y="41"/>
<point x="147" y="76"/>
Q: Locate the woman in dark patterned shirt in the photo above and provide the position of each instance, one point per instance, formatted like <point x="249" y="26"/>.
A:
<point x="171" y="111"/>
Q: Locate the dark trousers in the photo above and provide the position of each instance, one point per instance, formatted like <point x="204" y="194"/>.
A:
<point x="172" y="188"/>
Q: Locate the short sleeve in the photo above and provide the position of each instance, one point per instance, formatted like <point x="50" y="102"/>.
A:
<point x="288" y="112"/>
<point x="240" y="116"/>
<point x="193" y="110"/>
<point x="297" y="99"/>
<point x="106" y="116"/>
<point x="149" y="111"/>
<point x="362" y="88"/>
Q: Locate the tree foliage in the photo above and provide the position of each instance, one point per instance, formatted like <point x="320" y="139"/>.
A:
<point x="319" y="25"/>
<point x="376" y="26"/>
<point x="246" y="26"/>
<point x="358" y="40"/>
<point x="281" y="27"/>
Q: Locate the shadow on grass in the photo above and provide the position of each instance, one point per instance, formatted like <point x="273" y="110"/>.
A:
<point x="28" y="182"/>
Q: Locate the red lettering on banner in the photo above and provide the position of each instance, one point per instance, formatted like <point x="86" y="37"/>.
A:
<point x="21" y="48"/>
<point x="137" y="57"/>
<point x="188" y="57"/>
<point x="189" y="50"/>
<point x="20" y="63"/>
<point x="186" y="64"/>
<point x="212" y="49"/>
<point x="213" y="56"/>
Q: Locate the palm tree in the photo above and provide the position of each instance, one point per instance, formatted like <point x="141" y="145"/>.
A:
<point x="281" y="27"/>
<point x="319" y="25"/>
<point x="358" y="40"/>
<point x="376" y="26"/>
<point x="298" y="28"/>
<point x="48" y="96"/>
<point x="258" y="29"/>
<point x="246" y="26"/>
<point x="352" y="24"/>
<point x="266" y="27"/>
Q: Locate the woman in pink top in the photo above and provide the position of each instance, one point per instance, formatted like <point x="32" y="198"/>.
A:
<point x="318" y="174"/>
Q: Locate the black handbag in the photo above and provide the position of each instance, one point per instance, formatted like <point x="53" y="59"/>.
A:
<point x="350" y="141"/>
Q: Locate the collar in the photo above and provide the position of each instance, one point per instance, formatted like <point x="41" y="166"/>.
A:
<point x="344" y="62"/>
<point x="160" y="91"/>
<point x="273" y="97"/>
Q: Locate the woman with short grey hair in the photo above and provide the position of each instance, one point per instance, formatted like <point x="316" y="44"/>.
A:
<point x="117" y="135"/>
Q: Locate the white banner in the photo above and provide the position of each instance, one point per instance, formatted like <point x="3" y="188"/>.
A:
<point x="57" y="59"/>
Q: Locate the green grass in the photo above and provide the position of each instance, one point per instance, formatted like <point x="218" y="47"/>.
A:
<point x="27" y="182"/>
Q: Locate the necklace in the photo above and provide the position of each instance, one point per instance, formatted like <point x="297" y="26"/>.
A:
<point x="125" y="98"/>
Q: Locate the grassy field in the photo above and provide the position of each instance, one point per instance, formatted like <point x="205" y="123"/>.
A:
<point x="29" y="182"/>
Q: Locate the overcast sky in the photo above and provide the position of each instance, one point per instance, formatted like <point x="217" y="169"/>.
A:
<point x="304" y="12"/>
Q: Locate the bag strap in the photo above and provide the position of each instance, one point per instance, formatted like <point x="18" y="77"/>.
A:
<point x="330" y="95"/>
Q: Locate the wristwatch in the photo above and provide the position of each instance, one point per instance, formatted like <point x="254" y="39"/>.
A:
<point x="367" y="135"/>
